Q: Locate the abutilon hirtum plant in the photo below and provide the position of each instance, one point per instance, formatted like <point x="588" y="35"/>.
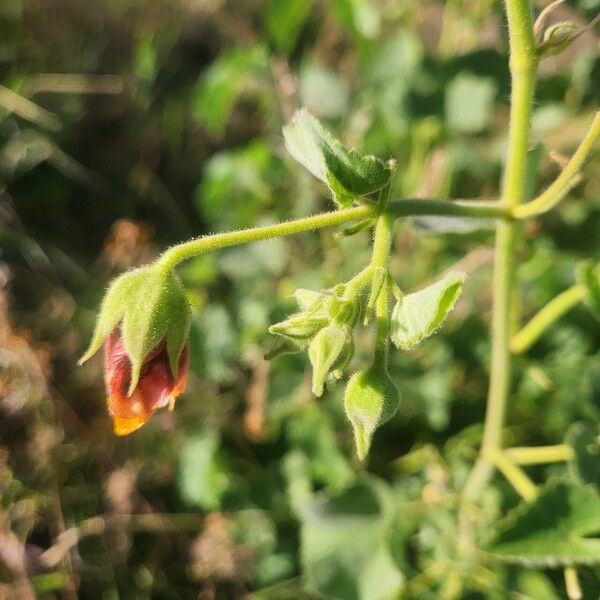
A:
<point x="144" y="319"/>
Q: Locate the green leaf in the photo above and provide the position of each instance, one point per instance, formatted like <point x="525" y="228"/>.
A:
<point x="416" y="316"/>
<point x="323" y="92"/>
<point x="584" y="438"/>
<point x="343" y="548"/>
<point x="469" y="102"/>
<point x="551" y="530"/>
<point x="347" y="173"/>
<point x="201" y="480"/>
<point x="371" y="398"/>
<point x="222" y="83"/>
<point x="284" y="20"/>
<point x="589" y="276"/>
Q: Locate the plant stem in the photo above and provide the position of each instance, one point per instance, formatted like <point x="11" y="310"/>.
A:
<point x="382" y="328"/>
<point x="523" y="63"/>
<point x="395" y="208"/>
<point x="557" y="307"/>
<point x="540" y="455"/>
<point x="514" y="474"/>
<point x="567" y="179"/>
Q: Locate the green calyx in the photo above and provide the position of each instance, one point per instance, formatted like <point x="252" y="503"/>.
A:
<point x="371" y="399"/>
<point x="151" y="306"/>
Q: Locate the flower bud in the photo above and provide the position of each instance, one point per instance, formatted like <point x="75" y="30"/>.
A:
<point x="324" y="351"/>
<point x="143" y="323"/>
<point x="371" y="398"/>
<point x="557" y="38"/>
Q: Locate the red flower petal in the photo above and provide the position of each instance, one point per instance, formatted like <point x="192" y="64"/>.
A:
<point x="156" y="388"/>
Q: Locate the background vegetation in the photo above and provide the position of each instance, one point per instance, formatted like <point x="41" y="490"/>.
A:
<point x="129" y="125"/>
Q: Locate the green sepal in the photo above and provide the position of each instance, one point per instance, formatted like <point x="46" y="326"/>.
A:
<point x="324" y="351"/>
<point x="588" y="275"/>
<point x="347" y="173"/>
<point x="417" y="316"/>
<point x="112" y="308"/>
<point x="371" y="399"/>
<point x="151" y="305"/>
<point x="158" y="310"/>
<point x="283" y="346"/>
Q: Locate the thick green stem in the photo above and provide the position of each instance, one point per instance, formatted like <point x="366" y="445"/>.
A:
<point x="523" y="64"/>
<point x="555" y="309"/>
<point x="395" y="208"/>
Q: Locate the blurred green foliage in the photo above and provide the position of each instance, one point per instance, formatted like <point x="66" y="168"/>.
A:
<point x="126" y="126"/>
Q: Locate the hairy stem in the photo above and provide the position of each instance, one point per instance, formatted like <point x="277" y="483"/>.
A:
<point x="567" y="179"/>
<point x="555" y="309"/>
<point x="523" y="64"/>
<point x="395" y="208"/>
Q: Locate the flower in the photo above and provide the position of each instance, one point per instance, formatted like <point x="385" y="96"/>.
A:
<point x="143" y="323"/>
<point x="156" y="388"/>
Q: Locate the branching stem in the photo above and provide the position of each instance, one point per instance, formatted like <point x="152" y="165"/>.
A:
<point x="523" y="62"/>
<point x="557" y="307"/>
<point x="567" y="179"/>
<point x="395" y="209"/>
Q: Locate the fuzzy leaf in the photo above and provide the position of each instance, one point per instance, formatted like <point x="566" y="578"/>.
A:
<point x="416" y="316"/>
<point x="551" y="530"/>
<point x="347" y="173"/>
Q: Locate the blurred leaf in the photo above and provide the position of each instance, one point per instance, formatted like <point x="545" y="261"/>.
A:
<point x="312" y="430"/>
<point x="213" y="343"/>
<point x="342" y="546"/>
<point x="469" y="103"/>
<point x="361" y="16"/>
<point x="550" y="531"/>
<point x="235" y="185"/>
<point x="347" y="173"/>
<point x="323" y="92"/>
<point x="220" y="85"/>
<point x="416" y="316"/>
<point x="284" y="20"/>
<point x="584" y="438"/>
<point x="588" y="275"/>
<point x="201" y="480"/>
<point x="534" y="585"/>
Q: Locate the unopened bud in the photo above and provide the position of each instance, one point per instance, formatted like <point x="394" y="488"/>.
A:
<point x="371" y="399"/>
<point x="324" y="351"/>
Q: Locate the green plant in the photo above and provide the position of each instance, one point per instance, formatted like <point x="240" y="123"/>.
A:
<point x="324" y="324"/>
